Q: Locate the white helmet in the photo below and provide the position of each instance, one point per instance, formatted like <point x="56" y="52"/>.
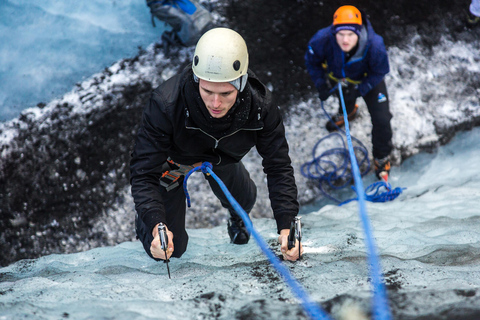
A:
<point x="220" y="56"/>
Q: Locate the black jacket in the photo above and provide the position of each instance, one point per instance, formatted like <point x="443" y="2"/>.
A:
<point x="168" y="131"/>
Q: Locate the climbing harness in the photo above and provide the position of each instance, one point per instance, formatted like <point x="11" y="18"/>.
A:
<point x="345" y="81"/>
<point x="171" y="179"/>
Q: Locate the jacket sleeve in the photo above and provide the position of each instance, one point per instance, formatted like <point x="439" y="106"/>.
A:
<point x="273" y="148"/>
<point x="149" y="154"/>
<point x="314" y="57"/>
<point x="378" y="66"/>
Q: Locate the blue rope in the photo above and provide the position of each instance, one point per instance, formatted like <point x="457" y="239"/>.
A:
<point x="373" y="193"/>
<point x="328" y="172"/>
<point x="312" y="309"/>
<point x="381" y="309"/>
<point x="337" y="176"/>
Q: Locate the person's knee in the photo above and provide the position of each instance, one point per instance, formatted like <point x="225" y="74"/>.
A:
<point x="237" y="180"/>
<point x="252" y="198"/>
<point x="246" y="195"/>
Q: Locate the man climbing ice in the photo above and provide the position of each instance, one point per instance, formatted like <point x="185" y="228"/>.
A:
<point x="215" y="110"/>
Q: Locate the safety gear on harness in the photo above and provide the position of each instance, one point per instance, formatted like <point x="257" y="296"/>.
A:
<point x="172" y="178"/>
<point x="221" y="55"/>
<point x="343" y="80"/>
<point x="338" y="121"/>
<point x="382" y="168"/>
<point x="349" y="90"/>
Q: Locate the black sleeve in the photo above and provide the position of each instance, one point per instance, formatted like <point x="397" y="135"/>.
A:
<point x="149" y="154"/>
<point x="273" y="147"/>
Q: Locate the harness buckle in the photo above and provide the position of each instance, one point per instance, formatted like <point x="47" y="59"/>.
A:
<point x="343" y="82"/>
<point x="171" y="179"/>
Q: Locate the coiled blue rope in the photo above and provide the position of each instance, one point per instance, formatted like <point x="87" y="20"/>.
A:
<point x="381" y="309"/>
<point x="310" y="307"/>
<point x="334" y="174"/>
<point x="375" y="193"/>
<point x="337" y="174"/>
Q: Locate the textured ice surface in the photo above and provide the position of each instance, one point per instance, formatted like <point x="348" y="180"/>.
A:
<point x="428" y="240"/>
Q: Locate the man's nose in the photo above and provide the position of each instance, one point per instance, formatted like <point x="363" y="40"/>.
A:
<point x="216" y="101"/>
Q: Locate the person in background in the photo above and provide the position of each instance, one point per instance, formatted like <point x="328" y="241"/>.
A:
<point x="349" y="52"/>
<point x="188" y="20"/>
<point x="215" y="110"/>
<point x="473" y="18"/>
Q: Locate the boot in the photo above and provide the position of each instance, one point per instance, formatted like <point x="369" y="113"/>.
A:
<point x="237" y="231"/>
<point x="382" y="168"/>
<point x="338" y="120"/>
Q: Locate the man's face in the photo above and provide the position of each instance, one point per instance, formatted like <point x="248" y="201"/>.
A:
<point x="346" y="39"/>
<point x="219" y="97"/>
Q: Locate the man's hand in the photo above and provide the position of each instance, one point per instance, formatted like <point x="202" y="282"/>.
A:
<point x="156" y="247"/>
<point x="292" y="254"/>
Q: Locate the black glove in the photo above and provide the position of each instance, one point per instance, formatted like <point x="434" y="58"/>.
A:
<point x="324" y="92"/>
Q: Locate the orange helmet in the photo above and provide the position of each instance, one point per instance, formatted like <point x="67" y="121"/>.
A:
<point x="347" y="15"/>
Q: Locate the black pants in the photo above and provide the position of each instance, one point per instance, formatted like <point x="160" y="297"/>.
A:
<point x="237" y="180"/>
<point x="378" y="106"/>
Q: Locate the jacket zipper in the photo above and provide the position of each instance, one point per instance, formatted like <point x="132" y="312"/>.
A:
<point x="217" y="141"/>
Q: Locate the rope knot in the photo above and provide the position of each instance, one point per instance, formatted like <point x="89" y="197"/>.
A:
<point x="205" y="166"/>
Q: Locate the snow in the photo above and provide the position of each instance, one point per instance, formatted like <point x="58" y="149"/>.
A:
<point x="428" y="240"/>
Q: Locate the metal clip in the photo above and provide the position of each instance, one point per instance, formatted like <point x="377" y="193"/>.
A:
<point x="171" y="179"/>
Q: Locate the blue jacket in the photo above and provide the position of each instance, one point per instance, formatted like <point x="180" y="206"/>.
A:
<point x="369" y="64"/>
